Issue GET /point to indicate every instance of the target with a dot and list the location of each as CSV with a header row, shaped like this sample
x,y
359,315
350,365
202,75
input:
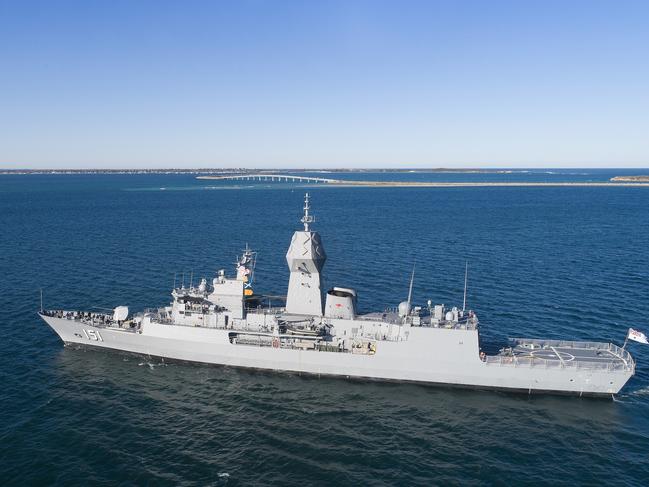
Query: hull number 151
x,y
93,335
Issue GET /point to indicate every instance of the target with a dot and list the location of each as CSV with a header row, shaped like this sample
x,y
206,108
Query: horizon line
x,y
305,169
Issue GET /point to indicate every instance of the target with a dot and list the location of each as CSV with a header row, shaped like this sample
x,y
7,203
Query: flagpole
x,y
626,339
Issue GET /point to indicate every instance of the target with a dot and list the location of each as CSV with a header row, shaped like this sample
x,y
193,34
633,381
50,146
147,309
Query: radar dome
x,y
404,308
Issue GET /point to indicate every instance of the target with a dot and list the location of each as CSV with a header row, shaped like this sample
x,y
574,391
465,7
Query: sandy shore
x,y
630,179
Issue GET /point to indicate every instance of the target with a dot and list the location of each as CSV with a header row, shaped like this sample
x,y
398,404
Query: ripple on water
x,y
548,262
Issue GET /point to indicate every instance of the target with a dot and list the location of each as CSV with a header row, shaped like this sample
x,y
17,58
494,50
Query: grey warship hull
x,y
585,368
321,333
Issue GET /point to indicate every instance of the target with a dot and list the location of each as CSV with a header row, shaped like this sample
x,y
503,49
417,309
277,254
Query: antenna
x,y
191,280
41,300
183,279
175,279
412,280
466,277
306,219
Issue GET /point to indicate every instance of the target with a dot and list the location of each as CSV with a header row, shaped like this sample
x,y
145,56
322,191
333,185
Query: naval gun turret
x,y
305,258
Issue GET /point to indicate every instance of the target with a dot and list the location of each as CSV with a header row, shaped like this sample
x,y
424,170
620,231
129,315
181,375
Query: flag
x,y
637,336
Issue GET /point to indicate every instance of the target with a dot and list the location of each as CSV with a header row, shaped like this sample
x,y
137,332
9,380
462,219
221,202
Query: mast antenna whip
x,y
306,219
466,276
412,280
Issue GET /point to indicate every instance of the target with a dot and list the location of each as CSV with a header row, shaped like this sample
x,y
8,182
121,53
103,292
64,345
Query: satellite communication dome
x,y
404,309
120,313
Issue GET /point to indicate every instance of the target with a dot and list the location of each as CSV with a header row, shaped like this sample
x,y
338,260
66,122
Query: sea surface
x,y
564,262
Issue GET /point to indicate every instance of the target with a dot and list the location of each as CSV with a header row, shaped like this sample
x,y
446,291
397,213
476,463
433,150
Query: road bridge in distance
x,y
274,177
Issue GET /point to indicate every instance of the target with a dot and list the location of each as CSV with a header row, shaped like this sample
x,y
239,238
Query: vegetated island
x,y
630,179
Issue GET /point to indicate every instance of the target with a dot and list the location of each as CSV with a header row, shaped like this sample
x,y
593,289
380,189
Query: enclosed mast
x,y
305,258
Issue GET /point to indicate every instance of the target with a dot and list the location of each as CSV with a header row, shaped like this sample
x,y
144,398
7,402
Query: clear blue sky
x,y
324,83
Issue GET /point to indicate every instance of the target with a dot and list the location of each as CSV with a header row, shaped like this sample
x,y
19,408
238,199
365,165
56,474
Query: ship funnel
x,y
341,303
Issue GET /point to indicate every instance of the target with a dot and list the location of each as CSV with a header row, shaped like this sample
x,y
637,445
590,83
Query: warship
x,y
322,333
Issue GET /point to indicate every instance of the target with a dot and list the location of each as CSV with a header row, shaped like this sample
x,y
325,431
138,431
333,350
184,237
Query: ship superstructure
x,y
323,333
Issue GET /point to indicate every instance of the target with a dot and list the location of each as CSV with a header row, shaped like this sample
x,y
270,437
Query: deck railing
x,y
625,362
296,344
268,311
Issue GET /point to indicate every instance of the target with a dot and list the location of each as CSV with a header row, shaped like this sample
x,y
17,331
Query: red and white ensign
x,y
637,336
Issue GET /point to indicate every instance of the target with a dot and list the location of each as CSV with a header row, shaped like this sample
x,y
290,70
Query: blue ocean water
x,y
566,262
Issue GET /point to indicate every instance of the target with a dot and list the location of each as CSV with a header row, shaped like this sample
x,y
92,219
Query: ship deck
x,y
556,353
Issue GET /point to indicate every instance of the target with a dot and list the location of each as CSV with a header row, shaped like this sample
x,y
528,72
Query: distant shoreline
x,y
243,171
232,171
441,184
319,174
225,171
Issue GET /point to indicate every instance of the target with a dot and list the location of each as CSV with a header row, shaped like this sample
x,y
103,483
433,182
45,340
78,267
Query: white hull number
x,y
93,335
